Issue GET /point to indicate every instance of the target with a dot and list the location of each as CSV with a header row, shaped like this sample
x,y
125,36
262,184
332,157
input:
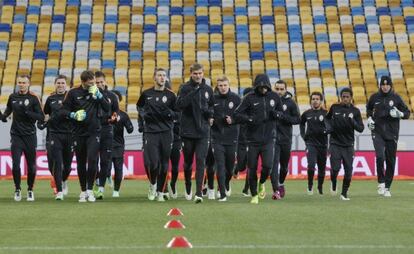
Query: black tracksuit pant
x,y
266,152
344,155
210,166
224,156
385,150
175,161
26,145
60,155
87,153
199,147
157,149
282,157
316,155
105,153
118,162
242,164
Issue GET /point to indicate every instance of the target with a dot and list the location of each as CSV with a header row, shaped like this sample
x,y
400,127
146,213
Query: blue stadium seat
x,y
202,3
108,64
216,47
240,11
19,19
322,37
40,54
163,19
360,29
9,2
174,10
202,28
377,47
95,54
406,3
125,2
371,20
55,45
58,19
269,47
267,20
189,11
111,19
311,56
392,56
176,55
150,10
51,72
336,46
110,37
319,20
383,11
4,27
86,9
253,3
135,55
279,3
202,20
396,11
326,65
292,11
150,28
33,10
369,2
122,46
215,3
256,55
272,73
3,45
351,55
330,3
162,46
216,29
357,11
73,2
228,20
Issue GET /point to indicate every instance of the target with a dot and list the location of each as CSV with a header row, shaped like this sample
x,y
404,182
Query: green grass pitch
x,y
132,224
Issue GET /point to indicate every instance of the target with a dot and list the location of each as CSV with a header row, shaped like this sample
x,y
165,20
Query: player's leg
x,y
252,162
219,157
17,146
188,153
335,166
166,139
311,154
175,160
390,155
380,148
92,151
347,157
321,161
267,152
230,157
201,149
274,175
80,145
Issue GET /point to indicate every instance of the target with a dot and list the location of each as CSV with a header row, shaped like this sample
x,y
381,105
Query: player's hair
x,y
281,81
99,74
24,76
118,93
159,69
87,75
196,67
317,94
61,76
346,90
223,78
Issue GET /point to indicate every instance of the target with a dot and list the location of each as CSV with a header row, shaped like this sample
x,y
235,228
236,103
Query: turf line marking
x,y
147,247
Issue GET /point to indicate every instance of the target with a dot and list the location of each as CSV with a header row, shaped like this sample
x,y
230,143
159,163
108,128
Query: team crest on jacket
x,y
206,95
164,99
60,101
391,103
272,102
284,107
231,105
321,118
351,115
157,99
26,102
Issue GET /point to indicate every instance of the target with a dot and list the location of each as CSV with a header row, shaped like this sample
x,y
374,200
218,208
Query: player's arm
x,y
36,112
241,113
127,123
402,107
302,125
357,121
185,97
370,106
8,110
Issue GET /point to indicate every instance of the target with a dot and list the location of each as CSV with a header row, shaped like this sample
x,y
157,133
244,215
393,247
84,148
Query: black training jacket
x,y
379,106
195,102
26,111
342,121
224,105
313,127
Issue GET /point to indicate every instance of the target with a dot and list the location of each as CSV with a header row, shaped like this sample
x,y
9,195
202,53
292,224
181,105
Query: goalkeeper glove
x,y
79,115
94,90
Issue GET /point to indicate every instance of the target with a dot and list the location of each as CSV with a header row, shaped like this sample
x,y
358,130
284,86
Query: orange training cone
x,y
174,224
175,212
179,242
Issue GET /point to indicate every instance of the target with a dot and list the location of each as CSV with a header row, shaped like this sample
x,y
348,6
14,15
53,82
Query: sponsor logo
x,y
255,104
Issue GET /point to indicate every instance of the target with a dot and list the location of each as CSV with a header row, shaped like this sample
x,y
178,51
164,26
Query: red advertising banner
x,y
364,164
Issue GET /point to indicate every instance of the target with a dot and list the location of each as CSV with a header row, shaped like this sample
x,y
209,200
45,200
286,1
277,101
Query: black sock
x,y
311,173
